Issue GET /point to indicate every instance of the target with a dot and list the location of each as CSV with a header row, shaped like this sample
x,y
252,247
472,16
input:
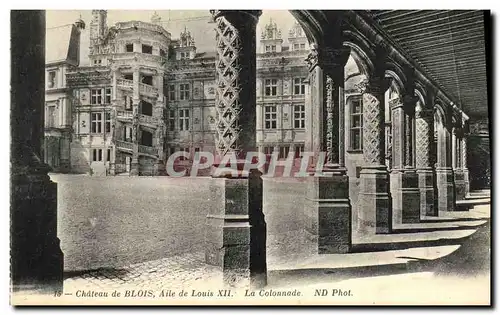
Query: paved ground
x,y
107,222
160,243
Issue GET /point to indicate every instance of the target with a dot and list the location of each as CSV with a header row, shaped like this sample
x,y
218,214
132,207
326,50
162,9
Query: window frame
x,y
107,122
54,79
300,120
299,86
358,129
51,123
97,155
171,120
184,94
171,92
271,87
270,117
184,119
97,123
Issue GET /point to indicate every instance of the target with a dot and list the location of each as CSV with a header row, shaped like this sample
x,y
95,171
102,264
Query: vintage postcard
x,y
250,157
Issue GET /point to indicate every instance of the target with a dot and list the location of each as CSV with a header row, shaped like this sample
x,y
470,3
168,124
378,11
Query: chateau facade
x,y
146,95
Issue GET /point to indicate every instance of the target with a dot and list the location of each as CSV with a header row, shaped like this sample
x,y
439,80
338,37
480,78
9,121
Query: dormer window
x,y
52,81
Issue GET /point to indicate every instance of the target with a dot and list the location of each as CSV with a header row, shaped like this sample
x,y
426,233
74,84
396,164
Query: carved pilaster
x,y
374,121
328,207
398,133
444,170
236,230
235,80
374,206
424,138
409,109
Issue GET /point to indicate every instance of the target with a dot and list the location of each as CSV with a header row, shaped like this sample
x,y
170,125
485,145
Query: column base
x,y
466,181
328,213
112,169
36,256
405,197
236,231
426,186
445,189
374,204
460,190
134,168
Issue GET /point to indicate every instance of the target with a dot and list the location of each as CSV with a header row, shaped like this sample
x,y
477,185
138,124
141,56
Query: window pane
x,y
356,121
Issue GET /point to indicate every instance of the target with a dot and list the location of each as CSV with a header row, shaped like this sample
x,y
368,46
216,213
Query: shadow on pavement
x,y
470,259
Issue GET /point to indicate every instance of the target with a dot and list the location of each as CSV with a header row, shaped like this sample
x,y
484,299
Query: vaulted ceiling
x,y
449,46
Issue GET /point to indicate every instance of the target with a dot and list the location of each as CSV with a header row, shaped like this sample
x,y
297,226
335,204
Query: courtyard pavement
x,y
144,234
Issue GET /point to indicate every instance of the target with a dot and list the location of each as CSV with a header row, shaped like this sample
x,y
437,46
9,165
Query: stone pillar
x,y
457,166
328,208
424,138
36,256
444,171
404,179
375,210
236,231
464,165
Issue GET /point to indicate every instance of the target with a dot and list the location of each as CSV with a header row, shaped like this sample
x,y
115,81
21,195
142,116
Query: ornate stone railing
x,y
148,119
148,150
128,58
123,114
148,89
83,75
124,83
124,145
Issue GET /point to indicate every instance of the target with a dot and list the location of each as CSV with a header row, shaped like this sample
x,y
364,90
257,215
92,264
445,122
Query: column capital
x,y
427,113
331,59
409,101
253,14
374,85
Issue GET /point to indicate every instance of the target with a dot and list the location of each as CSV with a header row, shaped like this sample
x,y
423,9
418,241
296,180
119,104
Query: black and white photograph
x,y
250,157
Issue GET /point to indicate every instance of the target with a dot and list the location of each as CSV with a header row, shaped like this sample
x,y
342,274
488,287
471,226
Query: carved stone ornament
x,y
372,140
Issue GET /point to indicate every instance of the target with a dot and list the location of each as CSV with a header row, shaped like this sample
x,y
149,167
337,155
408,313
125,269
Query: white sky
x,y
200,28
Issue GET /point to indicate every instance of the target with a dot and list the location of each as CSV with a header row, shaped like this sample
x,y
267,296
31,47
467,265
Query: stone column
x,y
398,143
404,179
236,231
464,165
457,166
424,139
328,208
36,256
444,171
375,212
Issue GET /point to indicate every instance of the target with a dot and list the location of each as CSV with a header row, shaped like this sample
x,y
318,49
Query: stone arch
x,y
311,22
440,114
361,51
396,73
